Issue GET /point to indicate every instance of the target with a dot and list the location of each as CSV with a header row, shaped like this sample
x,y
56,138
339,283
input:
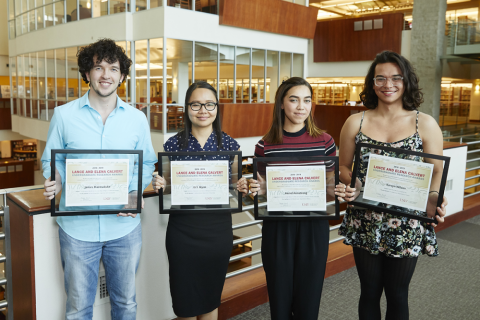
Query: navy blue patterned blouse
x,y
228,144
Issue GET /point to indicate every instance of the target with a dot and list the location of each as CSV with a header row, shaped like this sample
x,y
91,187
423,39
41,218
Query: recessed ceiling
x,y
329,9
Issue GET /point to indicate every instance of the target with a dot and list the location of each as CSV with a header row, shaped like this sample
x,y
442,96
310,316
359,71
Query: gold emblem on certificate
x,y
296,188
200,182
398,182
96,182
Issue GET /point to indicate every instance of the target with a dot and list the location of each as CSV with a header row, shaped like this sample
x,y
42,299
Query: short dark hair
x,y
412,96
217,127
103,49
275,133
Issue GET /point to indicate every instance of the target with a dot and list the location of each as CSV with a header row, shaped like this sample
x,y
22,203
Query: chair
x,y
198,5
175,117
185,4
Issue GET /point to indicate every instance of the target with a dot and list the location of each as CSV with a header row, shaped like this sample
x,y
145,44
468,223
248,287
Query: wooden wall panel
x,y
247,119
5,119
331,118
23,263
12,178
275,16
337,41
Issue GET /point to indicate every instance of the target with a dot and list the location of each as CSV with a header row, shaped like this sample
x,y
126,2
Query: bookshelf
x,y
24,151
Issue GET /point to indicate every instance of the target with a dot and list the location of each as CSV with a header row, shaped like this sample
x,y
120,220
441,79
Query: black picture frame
x,y
327,216
367,205
213,208
138,209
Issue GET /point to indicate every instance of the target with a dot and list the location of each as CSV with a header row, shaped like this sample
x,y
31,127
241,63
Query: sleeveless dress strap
x,y
415,120
361,121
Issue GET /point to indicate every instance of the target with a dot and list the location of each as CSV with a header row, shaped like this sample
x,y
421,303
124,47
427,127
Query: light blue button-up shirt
x,y
76,125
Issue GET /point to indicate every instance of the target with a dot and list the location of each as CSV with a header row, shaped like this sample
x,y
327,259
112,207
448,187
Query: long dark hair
x,y
217,127
275,134
412,96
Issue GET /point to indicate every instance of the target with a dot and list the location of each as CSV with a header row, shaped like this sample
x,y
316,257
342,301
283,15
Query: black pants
x,y
294,255
378,273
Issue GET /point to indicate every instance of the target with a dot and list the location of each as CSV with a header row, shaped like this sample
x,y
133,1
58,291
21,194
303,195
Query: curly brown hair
x,y
103,49
412,96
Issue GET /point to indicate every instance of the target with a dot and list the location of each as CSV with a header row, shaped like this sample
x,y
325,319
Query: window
x,y
34,84
285,66
141,70
179,78
206,63
258,75
156,84
59,13
227,56
118,6
242,81
72,73
272,75
51,92
61,77
297,65
100,8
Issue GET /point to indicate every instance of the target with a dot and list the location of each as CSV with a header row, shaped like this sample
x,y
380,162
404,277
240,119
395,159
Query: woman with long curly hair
x,y
385,246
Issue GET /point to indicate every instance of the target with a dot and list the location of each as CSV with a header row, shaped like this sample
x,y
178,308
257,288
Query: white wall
x,y
10,135
3,65
32,128
456,174
3,39
3,29
247,145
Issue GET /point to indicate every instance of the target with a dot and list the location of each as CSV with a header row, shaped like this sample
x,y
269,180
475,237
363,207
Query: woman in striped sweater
x,y
294,251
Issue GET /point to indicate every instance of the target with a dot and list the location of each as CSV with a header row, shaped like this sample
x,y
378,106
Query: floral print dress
x,y
378,232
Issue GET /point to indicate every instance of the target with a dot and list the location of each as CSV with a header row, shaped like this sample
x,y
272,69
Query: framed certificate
x,y
400,181
200,182
98,181
296,187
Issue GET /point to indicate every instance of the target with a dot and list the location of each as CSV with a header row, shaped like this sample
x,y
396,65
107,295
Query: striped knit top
x,y
298,144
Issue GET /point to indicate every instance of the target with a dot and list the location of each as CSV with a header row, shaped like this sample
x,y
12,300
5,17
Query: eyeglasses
x,y
381,81
209,106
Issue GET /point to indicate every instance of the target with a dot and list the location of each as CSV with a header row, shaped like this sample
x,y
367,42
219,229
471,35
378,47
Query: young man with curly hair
x,y
99,120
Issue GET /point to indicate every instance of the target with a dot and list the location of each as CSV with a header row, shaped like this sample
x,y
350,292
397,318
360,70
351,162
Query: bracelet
x,y
433,191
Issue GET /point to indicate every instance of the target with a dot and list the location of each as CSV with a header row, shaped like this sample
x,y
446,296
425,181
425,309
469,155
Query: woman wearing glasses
x,y
198,245
385,246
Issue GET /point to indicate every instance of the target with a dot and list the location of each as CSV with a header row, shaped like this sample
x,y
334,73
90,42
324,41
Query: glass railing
x,y
27,16
462,34
206,6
